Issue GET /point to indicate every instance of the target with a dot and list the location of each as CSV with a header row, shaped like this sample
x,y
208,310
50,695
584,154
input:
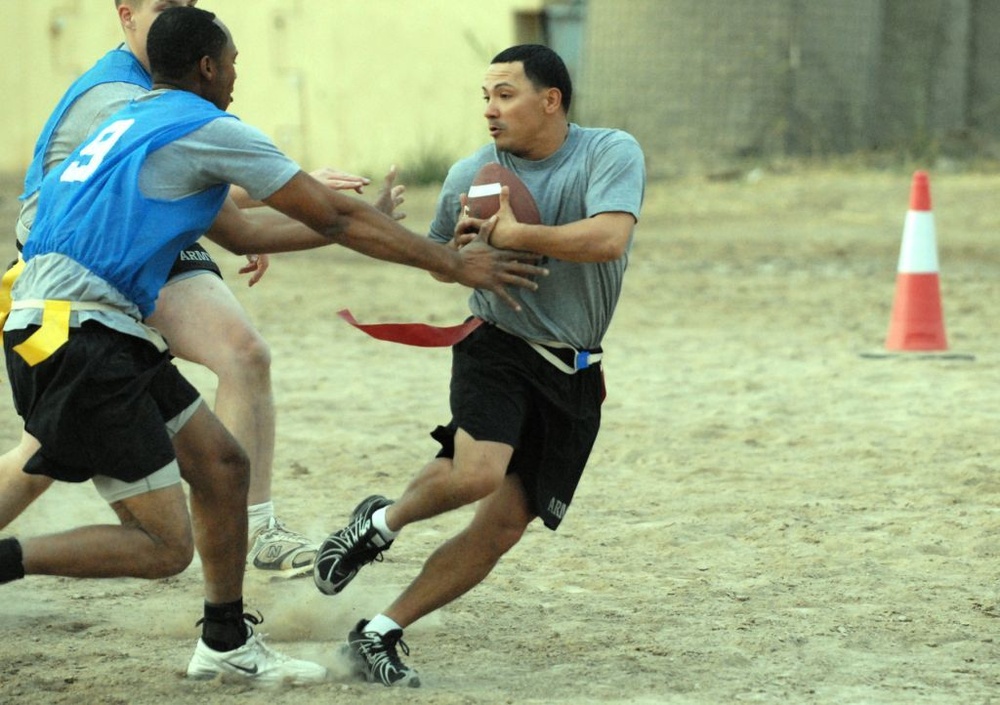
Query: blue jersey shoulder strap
x,y
117,66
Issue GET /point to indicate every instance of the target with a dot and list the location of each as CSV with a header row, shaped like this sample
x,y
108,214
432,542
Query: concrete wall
x,y
702,83
354,84
984,77
833,48
925,63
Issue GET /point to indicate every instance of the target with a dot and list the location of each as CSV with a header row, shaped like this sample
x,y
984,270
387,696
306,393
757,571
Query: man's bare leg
x,y
456,567
204,323
153,541
217,471
466,559
445,484
17,488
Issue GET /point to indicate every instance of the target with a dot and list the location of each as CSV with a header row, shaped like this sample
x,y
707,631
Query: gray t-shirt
x,y
595,171
221,152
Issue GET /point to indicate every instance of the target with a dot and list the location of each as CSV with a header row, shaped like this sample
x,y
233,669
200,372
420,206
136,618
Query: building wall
x,y
357,85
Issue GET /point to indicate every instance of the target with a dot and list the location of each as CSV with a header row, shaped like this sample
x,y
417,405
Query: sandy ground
x,y
768,515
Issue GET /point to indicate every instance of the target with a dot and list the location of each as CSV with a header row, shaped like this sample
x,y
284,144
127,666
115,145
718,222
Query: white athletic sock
x,y
378,521
258,516
381,624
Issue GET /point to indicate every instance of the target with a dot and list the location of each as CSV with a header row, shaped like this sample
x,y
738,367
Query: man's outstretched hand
x,y
390,196
485,267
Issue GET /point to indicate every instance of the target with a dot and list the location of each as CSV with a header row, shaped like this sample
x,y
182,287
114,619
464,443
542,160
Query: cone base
x,y
916,355
917,323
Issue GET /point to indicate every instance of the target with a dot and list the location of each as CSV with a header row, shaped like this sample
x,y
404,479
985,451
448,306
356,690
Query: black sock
x,y
11,560
223,628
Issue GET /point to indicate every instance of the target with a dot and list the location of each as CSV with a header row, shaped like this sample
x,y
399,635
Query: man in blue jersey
x,y
526,389
196,311
94,383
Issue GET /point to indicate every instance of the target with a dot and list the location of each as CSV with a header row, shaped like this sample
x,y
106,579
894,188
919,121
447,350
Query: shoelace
x,y
364,513
339,546
358,534
250,621
266,650
388,644
279,530
398,641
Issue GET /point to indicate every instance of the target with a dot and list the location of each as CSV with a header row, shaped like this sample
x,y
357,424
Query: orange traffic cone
x,y
917,323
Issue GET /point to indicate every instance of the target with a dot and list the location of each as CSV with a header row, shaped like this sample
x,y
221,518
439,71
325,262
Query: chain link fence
x,y
707,82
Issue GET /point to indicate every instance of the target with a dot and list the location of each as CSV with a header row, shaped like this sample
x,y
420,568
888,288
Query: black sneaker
x,y
370,505
375,659
344,552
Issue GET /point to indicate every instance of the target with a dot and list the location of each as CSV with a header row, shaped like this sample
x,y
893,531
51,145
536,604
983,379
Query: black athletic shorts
x,y
504,391
98,405
191,260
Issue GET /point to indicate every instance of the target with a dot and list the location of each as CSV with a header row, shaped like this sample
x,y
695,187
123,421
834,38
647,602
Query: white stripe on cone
x,y
918,253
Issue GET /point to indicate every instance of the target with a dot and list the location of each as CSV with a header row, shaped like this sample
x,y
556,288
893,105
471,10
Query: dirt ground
x,y
769,516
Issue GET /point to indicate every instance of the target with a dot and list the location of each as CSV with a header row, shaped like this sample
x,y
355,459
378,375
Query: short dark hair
x,y
180,37
542,66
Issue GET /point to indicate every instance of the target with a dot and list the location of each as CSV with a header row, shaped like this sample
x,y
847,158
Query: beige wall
x,y
356,84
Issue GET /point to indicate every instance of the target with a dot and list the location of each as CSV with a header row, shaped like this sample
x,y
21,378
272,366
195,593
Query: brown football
x,y
484,194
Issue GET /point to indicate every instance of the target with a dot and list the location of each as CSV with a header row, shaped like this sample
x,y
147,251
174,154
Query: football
x,y
484,194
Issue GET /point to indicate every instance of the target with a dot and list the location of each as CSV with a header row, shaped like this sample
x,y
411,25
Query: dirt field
x,y
768,516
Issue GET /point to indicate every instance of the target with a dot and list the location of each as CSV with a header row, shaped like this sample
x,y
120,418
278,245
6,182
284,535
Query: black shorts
x,y
504,391
99,405
192,260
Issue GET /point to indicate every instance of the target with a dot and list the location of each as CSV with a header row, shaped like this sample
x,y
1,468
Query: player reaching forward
x,y
95,384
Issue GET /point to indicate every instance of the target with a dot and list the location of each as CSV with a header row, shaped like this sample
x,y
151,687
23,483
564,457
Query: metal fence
x,y
708,81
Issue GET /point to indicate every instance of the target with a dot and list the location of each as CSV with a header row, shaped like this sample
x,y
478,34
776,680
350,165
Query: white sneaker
x,y
275,548
254,661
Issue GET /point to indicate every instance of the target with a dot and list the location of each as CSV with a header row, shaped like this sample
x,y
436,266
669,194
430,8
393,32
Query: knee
x,y
474,484
492,541
249,354
170,554
174,558
235,472
222,478
506,537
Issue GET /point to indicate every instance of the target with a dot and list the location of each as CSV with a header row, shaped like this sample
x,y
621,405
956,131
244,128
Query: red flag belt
x,y
418,334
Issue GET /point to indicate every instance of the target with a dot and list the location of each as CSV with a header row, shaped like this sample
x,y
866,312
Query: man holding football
x,y
527,386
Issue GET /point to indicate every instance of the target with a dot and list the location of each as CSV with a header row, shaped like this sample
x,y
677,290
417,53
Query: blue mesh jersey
x,y
92,210
117,66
